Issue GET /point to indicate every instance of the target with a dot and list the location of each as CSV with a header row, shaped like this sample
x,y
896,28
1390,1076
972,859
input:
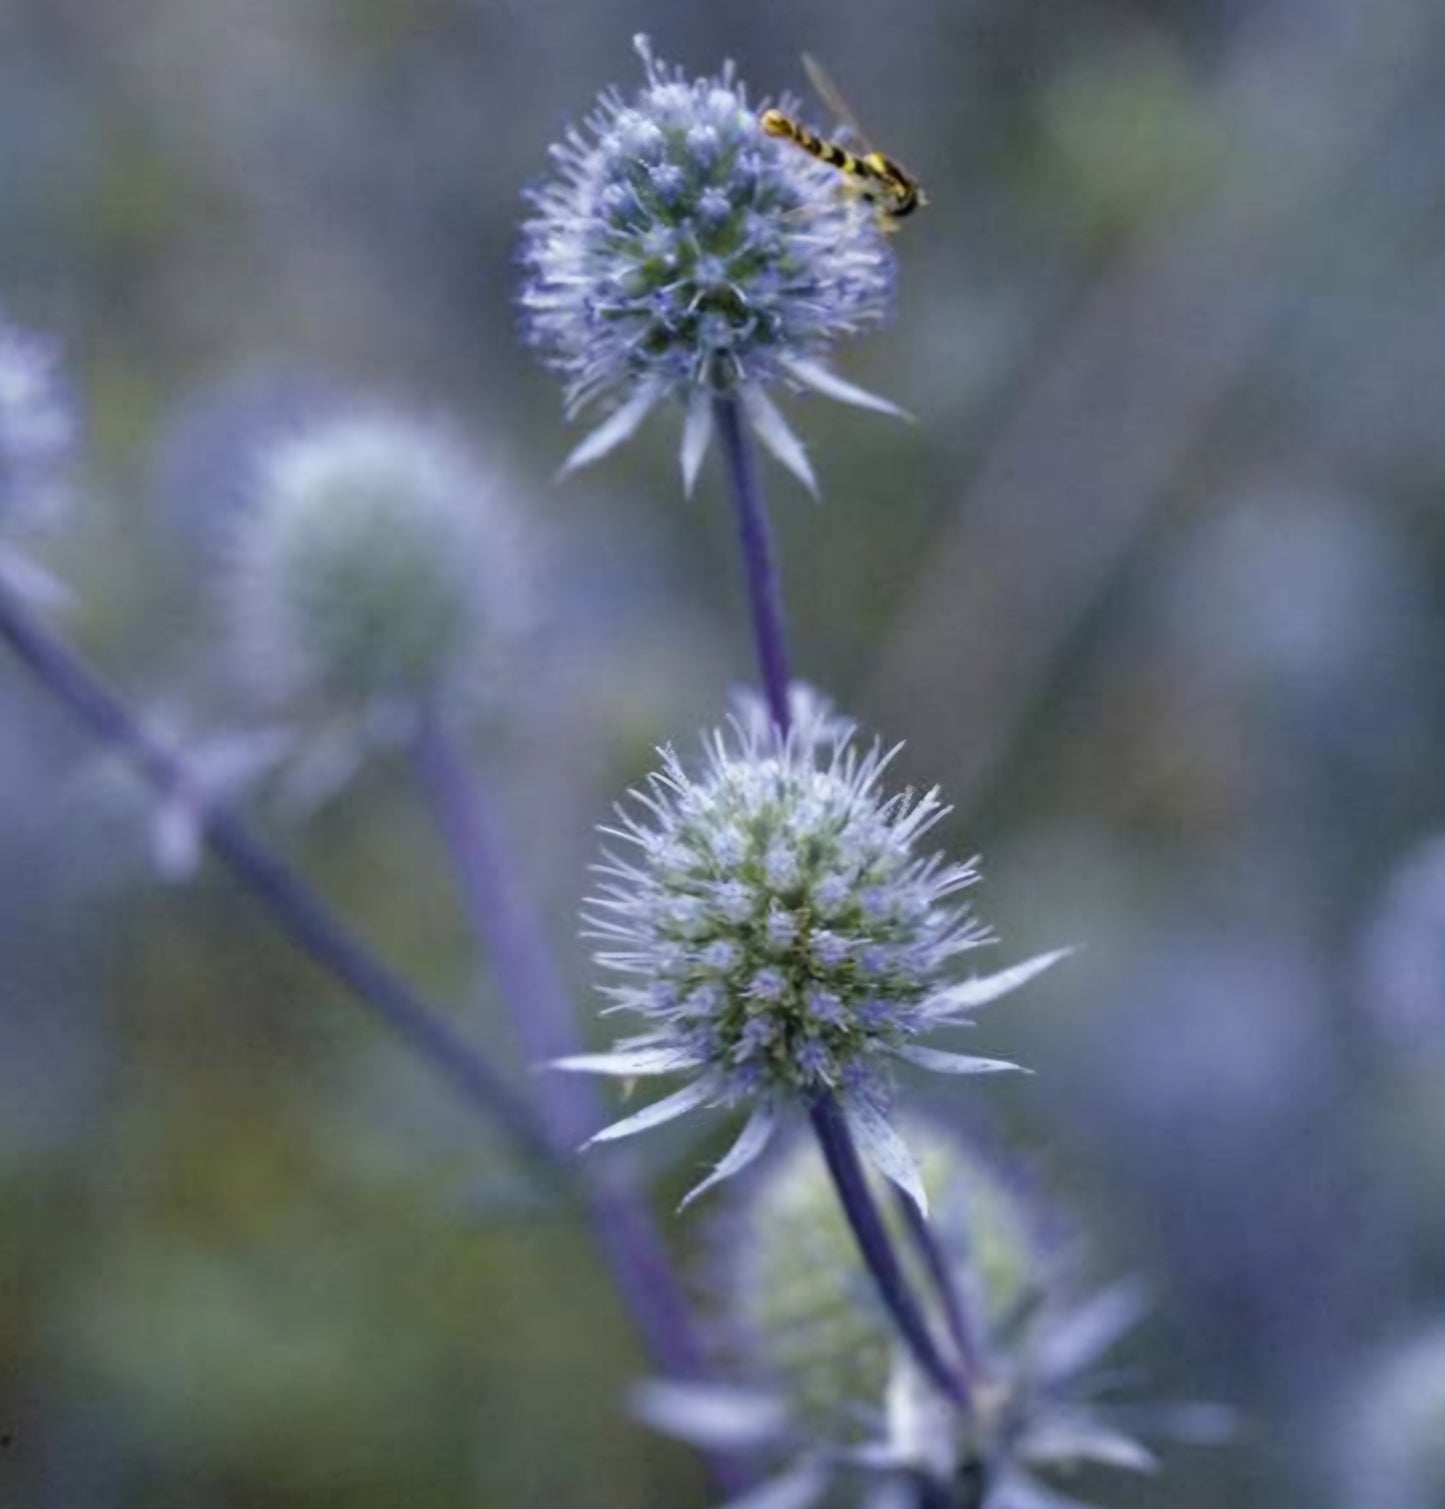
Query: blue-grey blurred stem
x,y
293,905
765,600
876,1246
940,1272
540,1010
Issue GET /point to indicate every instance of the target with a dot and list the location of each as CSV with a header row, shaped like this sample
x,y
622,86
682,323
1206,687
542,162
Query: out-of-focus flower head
x,y
682,253
374,570
782,937
796,1308
828,1389
1391,1437
38,433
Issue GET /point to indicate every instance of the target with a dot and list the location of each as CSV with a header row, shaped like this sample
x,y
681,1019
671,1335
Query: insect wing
x,y
828,91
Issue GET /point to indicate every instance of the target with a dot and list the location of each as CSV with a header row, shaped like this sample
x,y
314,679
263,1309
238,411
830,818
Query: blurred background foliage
x,y
1154,588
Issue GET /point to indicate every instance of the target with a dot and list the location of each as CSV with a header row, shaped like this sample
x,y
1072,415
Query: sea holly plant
x,y
779,935
770,918
373,576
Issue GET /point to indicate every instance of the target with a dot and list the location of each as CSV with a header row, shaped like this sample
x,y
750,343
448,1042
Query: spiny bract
x,y
783,938
683,253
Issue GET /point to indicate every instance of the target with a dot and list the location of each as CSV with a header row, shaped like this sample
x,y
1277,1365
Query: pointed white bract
x,y
1087,1332
699,1093
712,1415
696,436
818,377
778,437
631,1063
1078,1437
967,995
622,424
881,1145
956,1063
772,921
682,252
753,1139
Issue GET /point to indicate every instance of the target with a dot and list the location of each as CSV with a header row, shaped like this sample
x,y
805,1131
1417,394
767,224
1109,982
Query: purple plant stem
x,y
876,1246
293,905
760,567
874,1241
940,1271
540,1010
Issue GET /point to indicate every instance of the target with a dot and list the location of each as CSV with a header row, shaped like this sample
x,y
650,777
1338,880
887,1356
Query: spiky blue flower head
x,y
782,937
681,253
373,566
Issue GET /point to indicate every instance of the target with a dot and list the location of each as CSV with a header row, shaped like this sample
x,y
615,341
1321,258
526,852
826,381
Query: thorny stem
x,y
765,599
293,905
876,1247
537,1004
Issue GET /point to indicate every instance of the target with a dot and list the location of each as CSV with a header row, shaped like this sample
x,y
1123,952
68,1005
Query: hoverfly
x,y
884,183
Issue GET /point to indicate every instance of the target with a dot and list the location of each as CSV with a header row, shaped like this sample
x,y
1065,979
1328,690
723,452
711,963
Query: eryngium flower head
x,y
682,253
827,1388
784,1276
783,938
371,567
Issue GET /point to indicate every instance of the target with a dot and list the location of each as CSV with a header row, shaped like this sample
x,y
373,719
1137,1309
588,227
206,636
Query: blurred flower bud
x,y
828,1390
796,1306
373,571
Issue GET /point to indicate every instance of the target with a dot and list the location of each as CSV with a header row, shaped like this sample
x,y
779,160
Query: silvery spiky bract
x,y
38,429
371,566
781,936
682,253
